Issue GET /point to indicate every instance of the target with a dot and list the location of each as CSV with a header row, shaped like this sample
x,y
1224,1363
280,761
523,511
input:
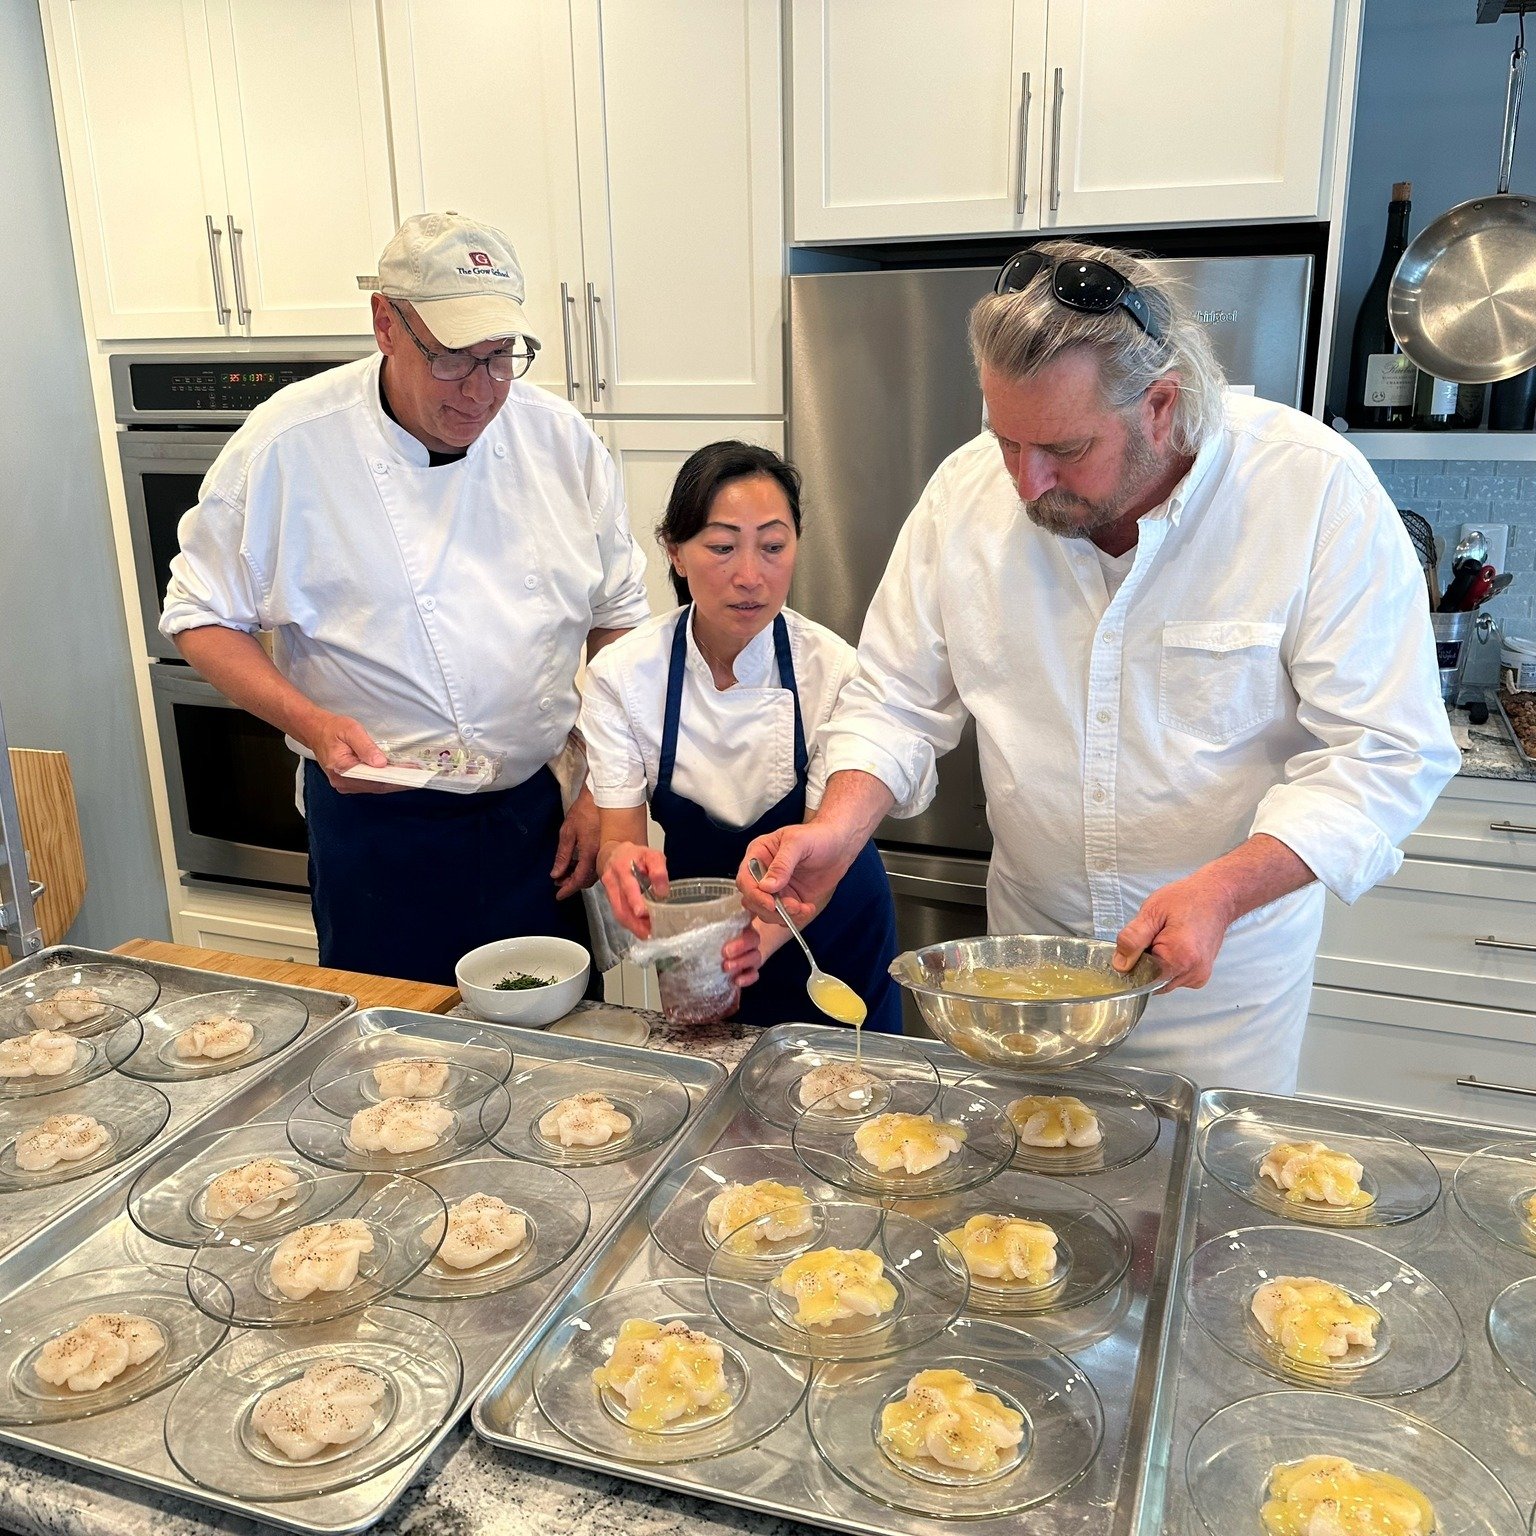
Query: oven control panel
x,y
193,388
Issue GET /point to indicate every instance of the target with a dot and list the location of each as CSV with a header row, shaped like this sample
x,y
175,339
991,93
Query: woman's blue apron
x,y
854,936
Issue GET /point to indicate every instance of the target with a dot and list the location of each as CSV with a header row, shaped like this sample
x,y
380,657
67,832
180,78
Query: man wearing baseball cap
x,y
430,544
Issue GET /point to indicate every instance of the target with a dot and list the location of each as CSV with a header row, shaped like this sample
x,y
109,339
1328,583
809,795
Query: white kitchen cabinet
x,y
448,66
271,925
1203,111
300,91
649,455
910,118
229,162
144,163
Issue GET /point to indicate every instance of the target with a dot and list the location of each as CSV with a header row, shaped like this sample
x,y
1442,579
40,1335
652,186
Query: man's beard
x,y
1075,517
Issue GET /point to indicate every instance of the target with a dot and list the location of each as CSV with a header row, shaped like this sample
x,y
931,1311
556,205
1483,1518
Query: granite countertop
x,y
1488,751
468,1488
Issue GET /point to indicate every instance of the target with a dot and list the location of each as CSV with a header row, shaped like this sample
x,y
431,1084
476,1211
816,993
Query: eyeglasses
x,y
504,365
1090,286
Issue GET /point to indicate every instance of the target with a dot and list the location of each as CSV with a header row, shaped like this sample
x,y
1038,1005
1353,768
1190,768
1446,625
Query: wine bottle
x,y
1443,405
1381,379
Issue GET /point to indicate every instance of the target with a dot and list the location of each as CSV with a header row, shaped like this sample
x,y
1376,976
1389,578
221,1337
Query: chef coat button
x,y
469,733
1109,636
1104,717
428,604
501,450
1099,796
546,703
380,467
530,582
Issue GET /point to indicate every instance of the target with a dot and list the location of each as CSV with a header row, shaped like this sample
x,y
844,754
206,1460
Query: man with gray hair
x,y
1192,633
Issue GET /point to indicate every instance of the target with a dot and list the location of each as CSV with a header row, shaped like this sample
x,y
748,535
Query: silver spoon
x,y
835,998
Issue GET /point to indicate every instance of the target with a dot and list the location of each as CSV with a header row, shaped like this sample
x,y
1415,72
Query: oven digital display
x,y
193,389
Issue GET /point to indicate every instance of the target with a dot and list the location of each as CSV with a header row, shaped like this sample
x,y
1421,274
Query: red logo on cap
x,y
480,259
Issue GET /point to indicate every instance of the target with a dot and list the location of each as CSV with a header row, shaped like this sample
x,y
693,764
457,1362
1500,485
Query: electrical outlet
x,y
1497,535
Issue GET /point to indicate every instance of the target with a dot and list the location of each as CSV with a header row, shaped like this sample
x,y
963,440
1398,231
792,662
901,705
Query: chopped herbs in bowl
x,y
522,981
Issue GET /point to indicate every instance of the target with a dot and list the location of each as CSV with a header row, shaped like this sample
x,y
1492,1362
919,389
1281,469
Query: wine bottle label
x,y
1389,379
1442,397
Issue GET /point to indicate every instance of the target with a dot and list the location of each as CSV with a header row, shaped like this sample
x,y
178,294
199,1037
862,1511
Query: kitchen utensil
x,y
1463,573
834,998
1474,547
1462,303
1041,1034
1501,582
1423,536
1481,589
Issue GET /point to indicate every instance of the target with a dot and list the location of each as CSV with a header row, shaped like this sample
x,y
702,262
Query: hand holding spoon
x,y
835,998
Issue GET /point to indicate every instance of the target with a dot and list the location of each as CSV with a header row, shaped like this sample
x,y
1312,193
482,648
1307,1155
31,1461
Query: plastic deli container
x,y
688,931
1517,664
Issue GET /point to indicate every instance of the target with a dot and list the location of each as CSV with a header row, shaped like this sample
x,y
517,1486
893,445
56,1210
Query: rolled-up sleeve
x,y
615,765
212,580
901,711
1363,666
620,601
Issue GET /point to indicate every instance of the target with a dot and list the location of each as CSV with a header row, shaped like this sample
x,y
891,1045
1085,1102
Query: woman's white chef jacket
x,y
1266,666
736,746
424,602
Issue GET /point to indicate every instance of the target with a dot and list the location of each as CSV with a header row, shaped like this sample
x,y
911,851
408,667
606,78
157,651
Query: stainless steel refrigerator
x,y
881,390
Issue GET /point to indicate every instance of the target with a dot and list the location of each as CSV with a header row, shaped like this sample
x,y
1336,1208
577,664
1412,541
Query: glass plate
x,y
655,1101
1063,1423
119,982
42,1310
1419,1338
208,1429
765,1388
826,1144
676,1209
1128,1124
1512,1331
229,1276
344,1081
133,1114
168,1199
1093,1249
924,1267
1494,1187
277,1019
1235,1450
324,1136
102,1044
553,1204
1402,1179
769,1078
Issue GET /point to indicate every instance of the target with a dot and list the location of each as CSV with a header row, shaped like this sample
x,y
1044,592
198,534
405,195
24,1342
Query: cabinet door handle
x,y
220,303
1492,943
1511,826
1024,101
1061,91
567,304
599,383
1471,1082
237,262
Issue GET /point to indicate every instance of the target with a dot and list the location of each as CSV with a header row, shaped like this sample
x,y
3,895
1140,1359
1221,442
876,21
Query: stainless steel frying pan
x,y
1463,299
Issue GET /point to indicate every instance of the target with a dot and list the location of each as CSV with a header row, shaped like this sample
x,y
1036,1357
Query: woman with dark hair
x,y
710,714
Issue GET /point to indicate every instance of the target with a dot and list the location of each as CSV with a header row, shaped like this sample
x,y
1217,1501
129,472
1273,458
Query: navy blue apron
x,y
854,936
404,884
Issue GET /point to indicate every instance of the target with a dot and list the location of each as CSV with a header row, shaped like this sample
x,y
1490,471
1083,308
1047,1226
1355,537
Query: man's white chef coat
x,y
423,601
735,746
1266,666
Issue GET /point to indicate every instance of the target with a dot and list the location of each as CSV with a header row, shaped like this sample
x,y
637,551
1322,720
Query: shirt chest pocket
x,y
1218,680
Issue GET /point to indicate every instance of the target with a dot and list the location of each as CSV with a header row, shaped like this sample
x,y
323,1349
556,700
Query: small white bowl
x,y
480,970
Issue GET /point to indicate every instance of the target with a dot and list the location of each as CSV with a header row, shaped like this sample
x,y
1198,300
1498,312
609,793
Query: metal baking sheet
x,y
1478,1404
1514,735
1117,1341
129,1443
23,1212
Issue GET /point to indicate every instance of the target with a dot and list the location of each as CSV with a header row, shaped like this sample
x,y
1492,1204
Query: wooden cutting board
x,y
50,830
370,991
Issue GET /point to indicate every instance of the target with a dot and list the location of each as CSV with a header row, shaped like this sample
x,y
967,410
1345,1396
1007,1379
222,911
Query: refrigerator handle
x,y
1056,143
964,892
1024,100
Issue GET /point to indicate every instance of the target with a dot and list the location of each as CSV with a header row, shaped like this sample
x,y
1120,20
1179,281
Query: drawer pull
x,y
1492,943
1472,1082
1511,826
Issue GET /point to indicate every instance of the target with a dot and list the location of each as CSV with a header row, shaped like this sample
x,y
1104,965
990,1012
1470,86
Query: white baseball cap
x,y
461,276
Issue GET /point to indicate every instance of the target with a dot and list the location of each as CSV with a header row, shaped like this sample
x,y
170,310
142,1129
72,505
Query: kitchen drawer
x,y
1352,1051
1458,932
286,935
1480,821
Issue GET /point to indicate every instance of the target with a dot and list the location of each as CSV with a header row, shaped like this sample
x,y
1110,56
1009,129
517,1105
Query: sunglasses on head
x,y
1093,287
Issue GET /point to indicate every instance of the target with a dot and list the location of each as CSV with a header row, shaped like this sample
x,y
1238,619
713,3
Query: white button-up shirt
x,y
423,601
1266,666
735,746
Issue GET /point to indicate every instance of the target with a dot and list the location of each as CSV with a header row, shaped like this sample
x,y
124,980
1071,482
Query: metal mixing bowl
x,y
1063,1032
